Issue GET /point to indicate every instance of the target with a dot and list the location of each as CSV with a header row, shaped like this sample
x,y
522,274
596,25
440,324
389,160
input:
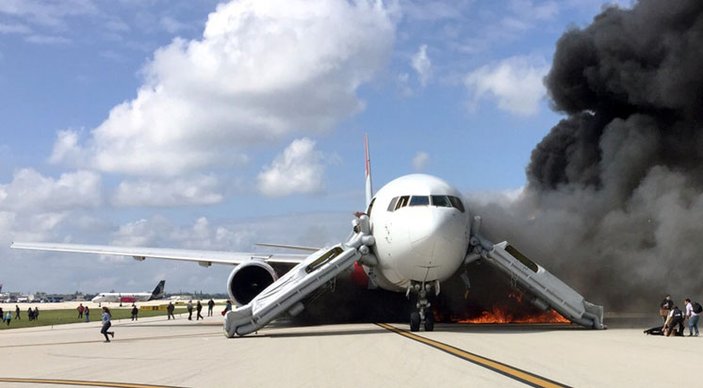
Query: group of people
x,y
198,309
107,316
33,314
83,311
674,317
6,316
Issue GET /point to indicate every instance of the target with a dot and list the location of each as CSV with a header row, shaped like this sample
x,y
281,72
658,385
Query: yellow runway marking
x,y
80,383
504,369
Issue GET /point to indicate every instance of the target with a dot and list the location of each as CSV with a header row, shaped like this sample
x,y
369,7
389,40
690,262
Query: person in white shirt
x,y
692,318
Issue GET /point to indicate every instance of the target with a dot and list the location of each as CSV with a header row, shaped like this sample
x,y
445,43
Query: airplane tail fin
x,y
158,292
369,189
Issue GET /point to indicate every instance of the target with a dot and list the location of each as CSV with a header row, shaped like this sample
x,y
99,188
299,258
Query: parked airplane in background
x,y
179,298
130,297
416,232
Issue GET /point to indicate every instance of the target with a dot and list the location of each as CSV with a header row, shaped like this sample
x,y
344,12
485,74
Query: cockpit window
x,y
391,206
402,202
423,200
441,201
456,202
419,200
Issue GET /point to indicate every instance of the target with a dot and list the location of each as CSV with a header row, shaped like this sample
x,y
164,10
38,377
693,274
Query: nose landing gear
x,y
424,314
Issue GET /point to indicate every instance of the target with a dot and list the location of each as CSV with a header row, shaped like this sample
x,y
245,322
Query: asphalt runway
x,y
181,353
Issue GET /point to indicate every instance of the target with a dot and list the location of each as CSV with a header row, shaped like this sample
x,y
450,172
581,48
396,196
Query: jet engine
x,y
248,279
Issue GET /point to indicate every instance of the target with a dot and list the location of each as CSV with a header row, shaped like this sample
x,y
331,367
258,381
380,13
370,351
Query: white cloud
x,y
66,149
34,207
515,82
161,232
204,235
422,65
30,190
139,233
298,169
262,70
198,190
420,160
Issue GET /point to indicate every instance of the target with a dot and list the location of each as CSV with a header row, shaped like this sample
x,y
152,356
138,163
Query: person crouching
x,y
674,319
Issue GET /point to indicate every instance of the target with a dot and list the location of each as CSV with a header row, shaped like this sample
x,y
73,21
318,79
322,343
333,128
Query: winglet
x,y
369,189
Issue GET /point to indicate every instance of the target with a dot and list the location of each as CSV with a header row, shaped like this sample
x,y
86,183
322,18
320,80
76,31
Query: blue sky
x,y
197,125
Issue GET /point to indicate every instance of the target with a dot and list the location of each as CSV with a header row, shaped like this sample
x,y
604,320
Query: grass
x,y
62,317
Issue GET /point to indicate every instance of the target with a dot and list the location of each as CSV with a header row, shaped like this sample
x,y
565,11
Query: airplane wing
x,y
204,258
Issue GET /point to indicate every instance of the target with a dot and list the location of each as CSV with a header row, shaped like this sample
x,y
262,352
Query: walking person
x,y
189,306
107,324
8,317
2,315
198,309
86,314
80,309
210,307
692,316
170,309
36,313
17,312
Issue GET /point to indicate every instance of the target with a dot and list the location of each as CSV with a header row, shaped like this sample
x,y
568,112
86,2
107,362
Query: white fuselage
x,y
117,297
422,231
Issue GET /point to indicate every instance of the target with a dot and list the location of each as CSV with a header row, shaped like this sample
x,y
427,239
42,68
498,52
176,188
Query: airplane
x,y
415,233
130,297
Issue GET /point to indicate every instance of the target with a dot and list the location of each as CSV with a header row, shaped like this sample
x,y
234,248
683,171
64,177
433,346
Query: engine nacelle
x,y
248,279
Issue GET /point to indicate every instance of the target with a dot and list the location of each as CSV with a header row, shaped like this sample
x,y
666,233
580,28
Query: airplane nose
x,y
438,244
437,228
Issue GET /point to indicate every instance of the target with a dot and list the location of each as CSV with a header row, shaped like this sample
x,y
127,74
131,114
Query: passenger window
x,y
456,202
391,206
402,202
419,201
441,200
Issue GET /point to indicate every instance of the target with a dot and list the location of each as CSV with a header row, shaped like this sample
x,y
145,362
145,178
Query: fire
x,y
501,315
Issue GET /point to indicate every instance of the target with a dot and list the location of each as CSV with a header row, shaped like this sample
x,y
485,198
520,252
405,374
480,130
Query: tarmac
x,y
156,352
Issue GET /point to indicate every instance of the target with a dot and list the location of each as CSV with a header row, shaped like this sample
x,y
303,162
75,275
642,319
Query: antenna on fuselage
x,y
369,189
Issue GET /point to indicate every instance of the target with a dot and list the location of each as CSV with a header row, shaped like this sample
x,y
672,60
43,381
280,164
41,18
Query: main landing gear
x,y
424,314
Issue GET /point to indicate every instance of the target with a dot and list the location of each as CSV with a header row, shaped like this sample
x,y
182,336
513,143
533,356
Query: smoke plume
x,y
614,201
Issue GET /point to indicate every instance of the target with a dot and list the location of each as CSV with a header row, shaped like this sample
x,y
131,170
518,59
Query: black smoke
x,y
614,201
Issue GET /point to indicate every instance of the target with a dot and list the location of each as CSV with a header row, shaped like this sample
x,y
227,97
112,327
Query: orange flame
x,y
499,315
